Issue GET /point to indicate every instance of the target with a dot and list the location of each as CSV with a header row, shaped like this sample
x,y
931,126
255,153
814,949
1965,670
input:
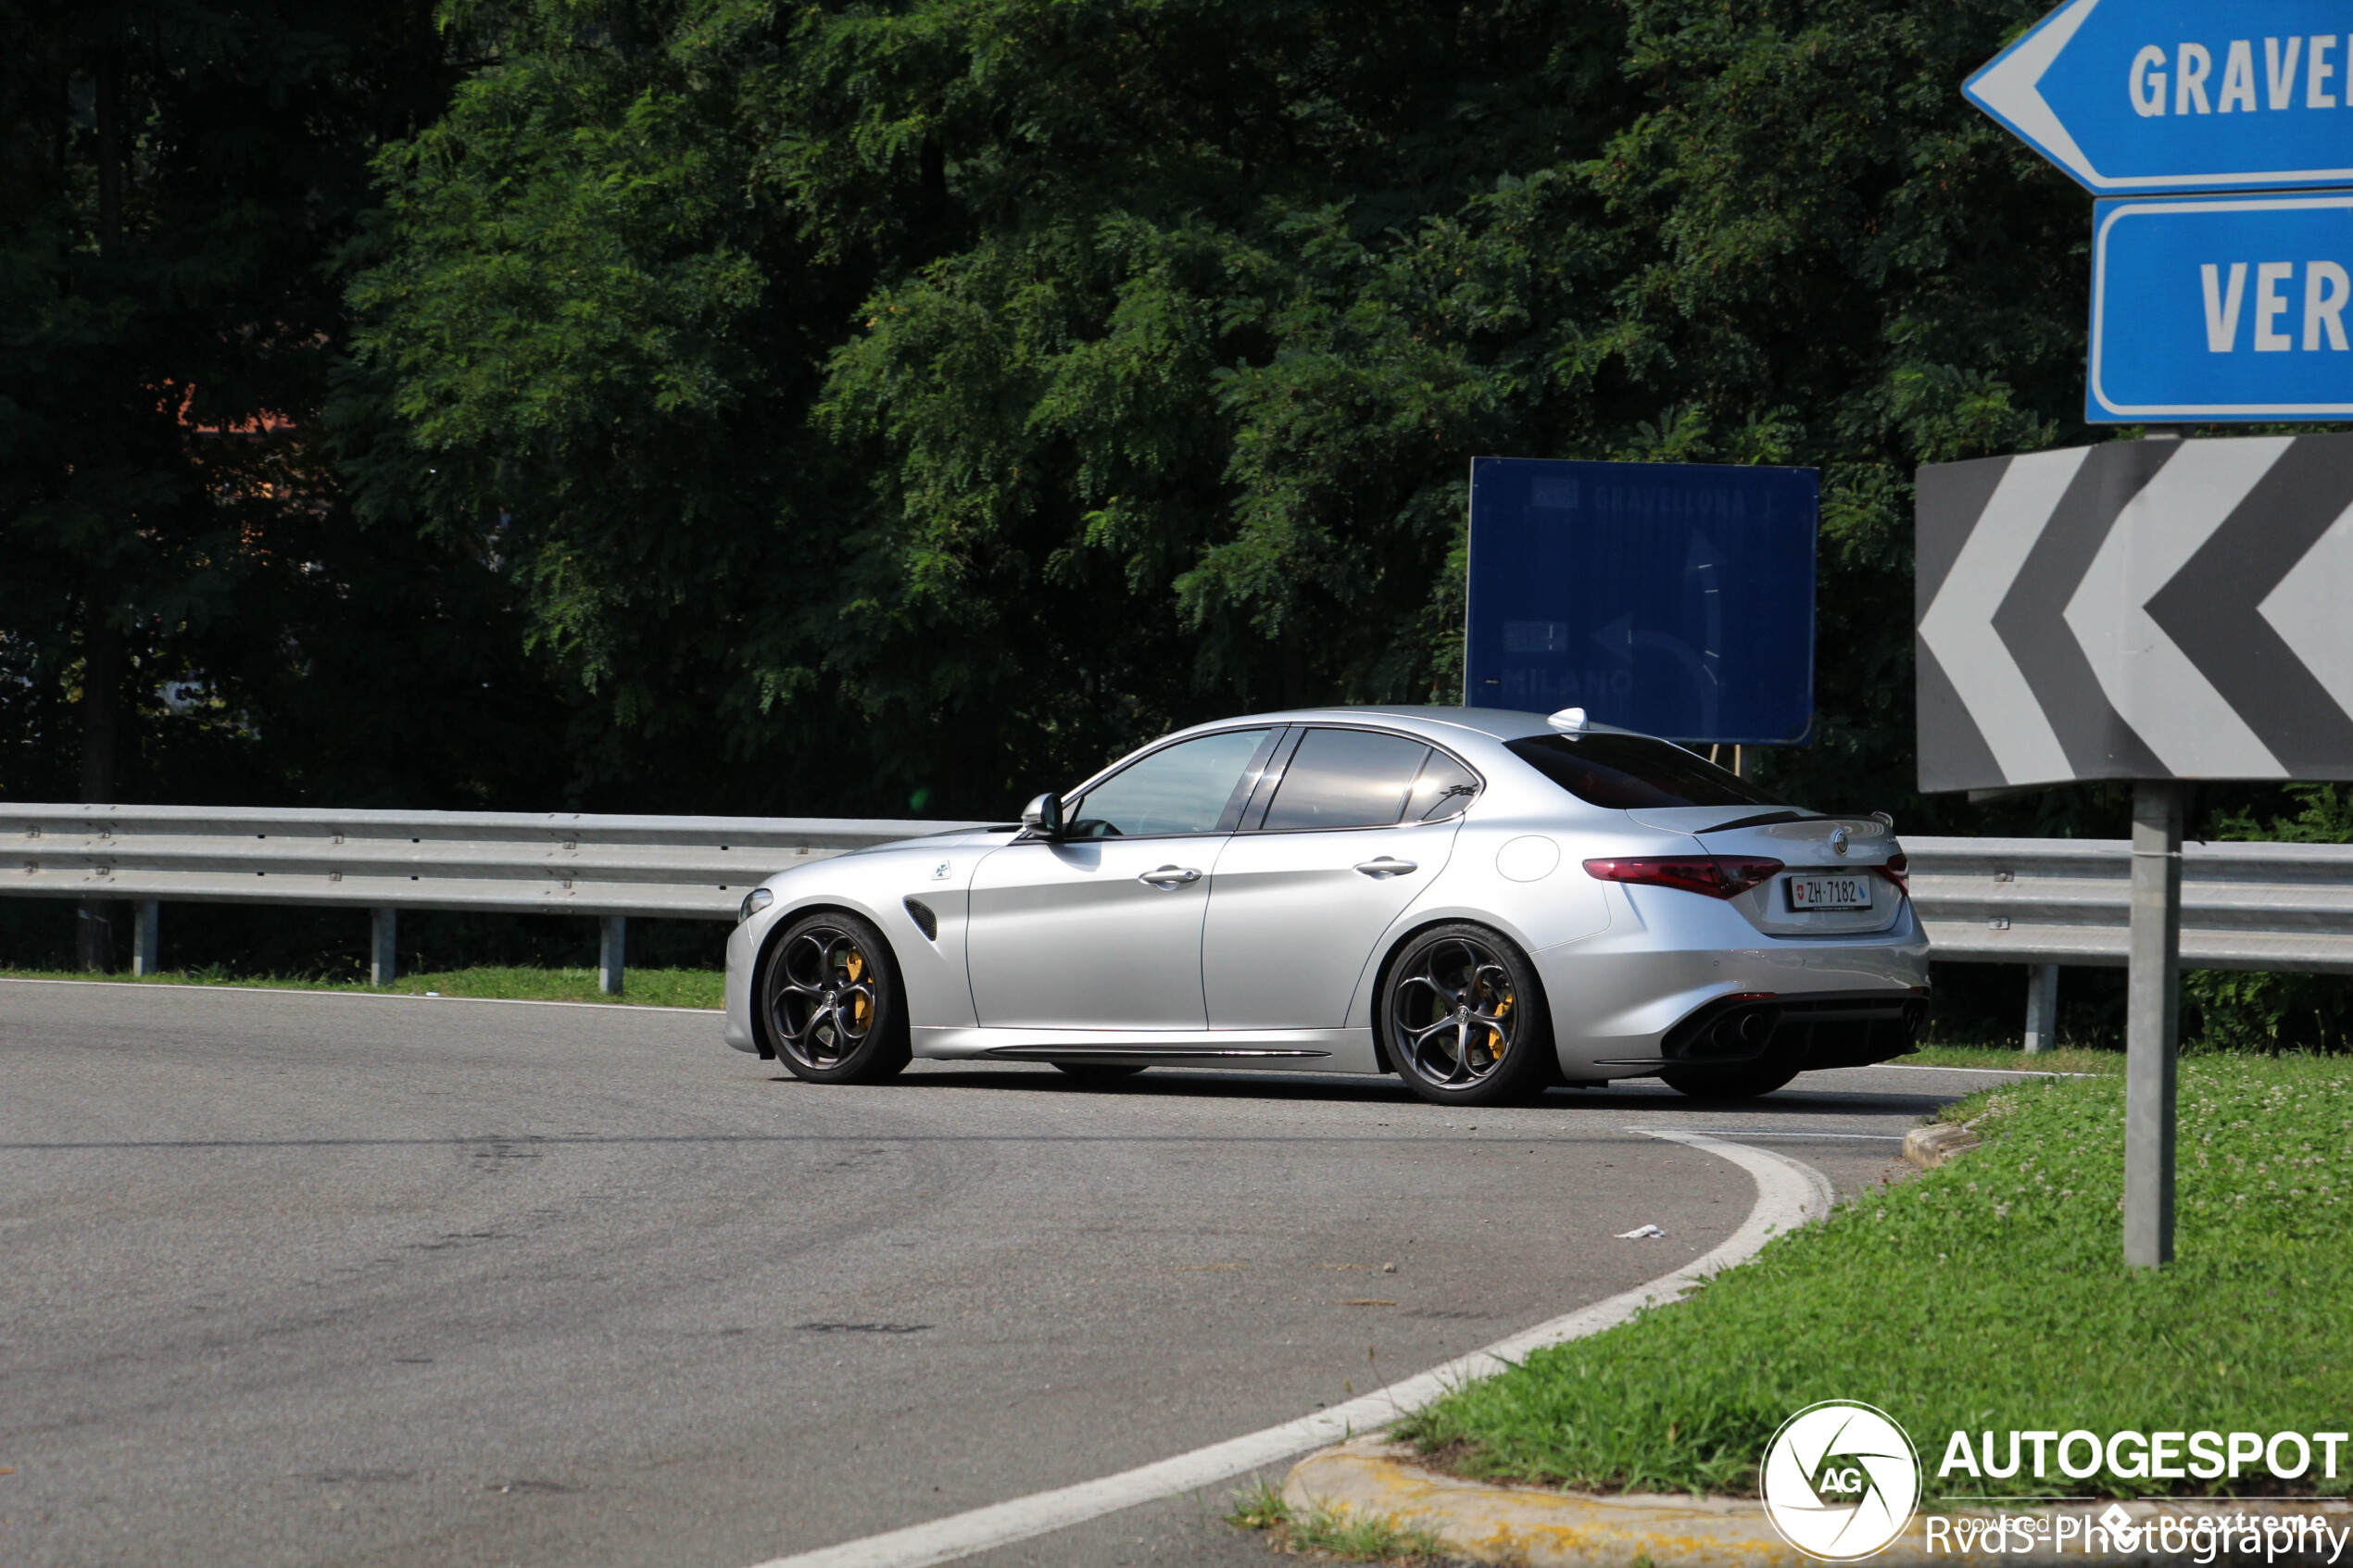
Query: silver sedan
x,y
1484,903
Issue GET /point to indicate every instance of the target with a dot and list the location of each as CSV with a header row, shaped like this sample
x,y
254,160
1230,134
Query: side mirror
x,y
1043,816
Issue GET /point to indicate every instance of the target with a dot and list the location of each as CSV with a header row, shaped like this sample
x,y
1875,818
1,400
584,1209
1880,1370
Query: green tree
x,y
176,178
935,423
914,403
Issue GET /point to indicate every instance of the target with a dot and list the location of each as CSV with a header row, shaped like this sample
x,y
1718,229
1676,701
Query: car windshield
x,y
1632,772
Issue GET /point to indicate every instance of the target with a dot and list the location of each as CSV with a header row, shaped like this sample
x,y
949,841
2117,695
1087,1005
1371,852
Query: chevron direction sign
x,y
2143,609
2148,96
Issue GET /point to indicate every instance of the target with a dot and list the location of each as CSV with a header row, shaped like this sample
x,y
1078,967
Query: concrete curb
x,y
1931,1145
1532,1528
1527,1527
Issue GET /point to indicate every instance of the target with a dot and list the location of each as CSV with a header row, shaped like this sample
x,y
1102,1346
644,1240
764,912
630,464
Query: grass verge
x,y
648,987
2069,1059
1988,1294
1335,1532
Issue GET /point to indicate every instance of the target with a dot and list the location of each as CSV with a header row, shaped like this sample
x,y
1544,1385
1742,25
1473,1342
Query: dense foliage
x,y
920,401
187,611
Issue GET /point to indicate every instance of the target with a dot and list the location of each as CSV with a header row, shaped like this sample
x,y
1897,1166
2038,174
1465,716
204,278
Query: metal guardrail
x,y
612,867
2066,901
2035,901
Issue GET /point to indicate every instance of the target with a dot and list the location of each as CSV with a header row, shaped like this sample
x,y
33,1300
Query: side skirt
x,y
1294,1050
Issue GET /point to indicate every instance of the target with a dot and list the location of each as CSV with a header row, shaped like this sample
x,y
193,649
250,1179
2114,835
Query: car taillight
x,y
1718,876
1898,870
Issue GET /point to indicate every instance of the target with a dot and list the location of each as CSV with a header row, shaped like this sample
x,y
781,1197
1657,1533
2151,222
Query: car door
x,y
1101,928
1356,825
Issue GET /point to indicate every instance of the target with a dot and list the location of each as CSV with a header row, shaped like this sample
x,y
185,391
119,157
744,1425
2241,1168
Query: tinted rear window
x,y
1627,773
1346,779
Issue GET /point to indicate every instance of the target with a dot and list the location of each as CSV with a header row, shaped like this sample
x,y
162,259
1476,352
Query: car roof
x,y
1437,723
1478,734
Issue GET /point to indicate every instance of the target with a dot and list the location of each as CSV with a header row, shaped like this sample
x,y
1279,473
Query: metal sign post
x,y
2153,992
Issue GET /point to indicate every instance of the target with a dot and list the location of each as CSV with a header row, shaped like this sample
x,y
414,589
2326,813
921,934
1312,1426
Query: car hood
x,y
981,836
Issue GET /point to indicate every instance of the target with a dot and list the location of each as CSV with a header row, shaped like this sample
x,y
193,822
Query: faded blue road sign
x,y
2222,309
1676,598
2152,95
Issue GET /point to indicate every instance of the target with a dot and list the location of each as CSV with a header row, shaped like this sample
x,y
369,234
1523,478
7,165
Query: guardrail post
x,y
2042,1008
2152,1020
146,938
609,952
384,951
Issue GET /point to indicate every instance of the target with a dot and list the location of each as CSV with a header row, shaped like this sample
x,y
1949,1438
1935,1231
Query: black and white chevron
x,y
2142,609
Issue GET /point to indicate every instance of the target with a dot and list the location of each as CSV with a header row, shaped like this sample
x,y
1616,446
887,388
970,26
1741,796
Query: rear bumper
x,y
1630,1002
1815,1030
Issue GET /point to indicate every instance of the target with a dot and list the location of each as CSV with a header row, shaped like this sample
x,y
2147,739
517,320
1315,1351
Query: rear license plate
x,y
1830,892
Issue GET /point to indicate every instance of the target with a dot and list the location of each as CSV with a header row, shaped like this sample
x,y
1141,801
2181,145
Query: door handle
x,y
1169,876
1385,866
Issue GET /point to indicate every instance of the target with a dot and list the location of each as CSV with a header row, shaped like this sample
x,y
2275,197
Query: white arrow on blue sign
x,y
2223,308
2154,95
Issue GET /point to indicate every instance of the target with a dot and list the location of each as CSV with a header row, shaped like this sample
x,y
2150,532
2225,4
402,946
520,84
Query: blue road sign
x,y
2222,309
2156,96
1676,598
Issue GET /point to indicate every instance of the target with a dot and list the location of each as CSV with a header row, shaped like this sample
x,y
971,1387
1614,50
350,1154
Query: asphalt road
x,y
295,1278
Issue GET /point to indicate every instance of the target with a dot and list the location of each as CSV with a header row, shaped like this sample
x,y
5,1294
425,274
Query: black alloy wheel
x,y
1465,1021
830,999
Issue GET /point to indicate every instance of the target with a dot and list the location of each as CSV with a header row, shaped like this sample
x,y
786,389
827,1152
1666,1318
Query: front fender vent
x,y
926,921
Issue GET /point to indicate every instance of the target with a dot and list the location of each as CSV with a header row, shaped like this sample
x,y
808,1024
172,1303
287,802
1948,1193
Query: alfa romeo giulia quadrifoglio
x,y
1484,903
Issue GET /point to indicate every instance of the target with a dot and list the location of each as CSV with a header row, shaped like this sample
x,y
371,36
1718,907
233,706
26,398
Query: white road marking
x,y
2004,1071
1775,1133
1788,1195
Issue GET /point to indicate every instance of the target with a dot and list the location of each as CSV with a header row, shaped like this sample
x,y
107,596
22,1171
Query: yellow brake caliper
x,y
1495,1030
859,1006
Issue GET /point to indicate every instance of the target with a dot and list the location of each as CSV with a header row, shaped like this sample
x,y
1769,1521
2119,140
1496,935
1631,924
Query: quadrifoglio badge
x,y
1842,1481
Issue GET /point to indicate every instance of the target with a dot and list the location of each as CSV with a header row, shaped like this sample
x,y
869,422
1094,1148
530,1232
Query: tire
x,y
1464,1019
1745,1080
1102,1072
831,1001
